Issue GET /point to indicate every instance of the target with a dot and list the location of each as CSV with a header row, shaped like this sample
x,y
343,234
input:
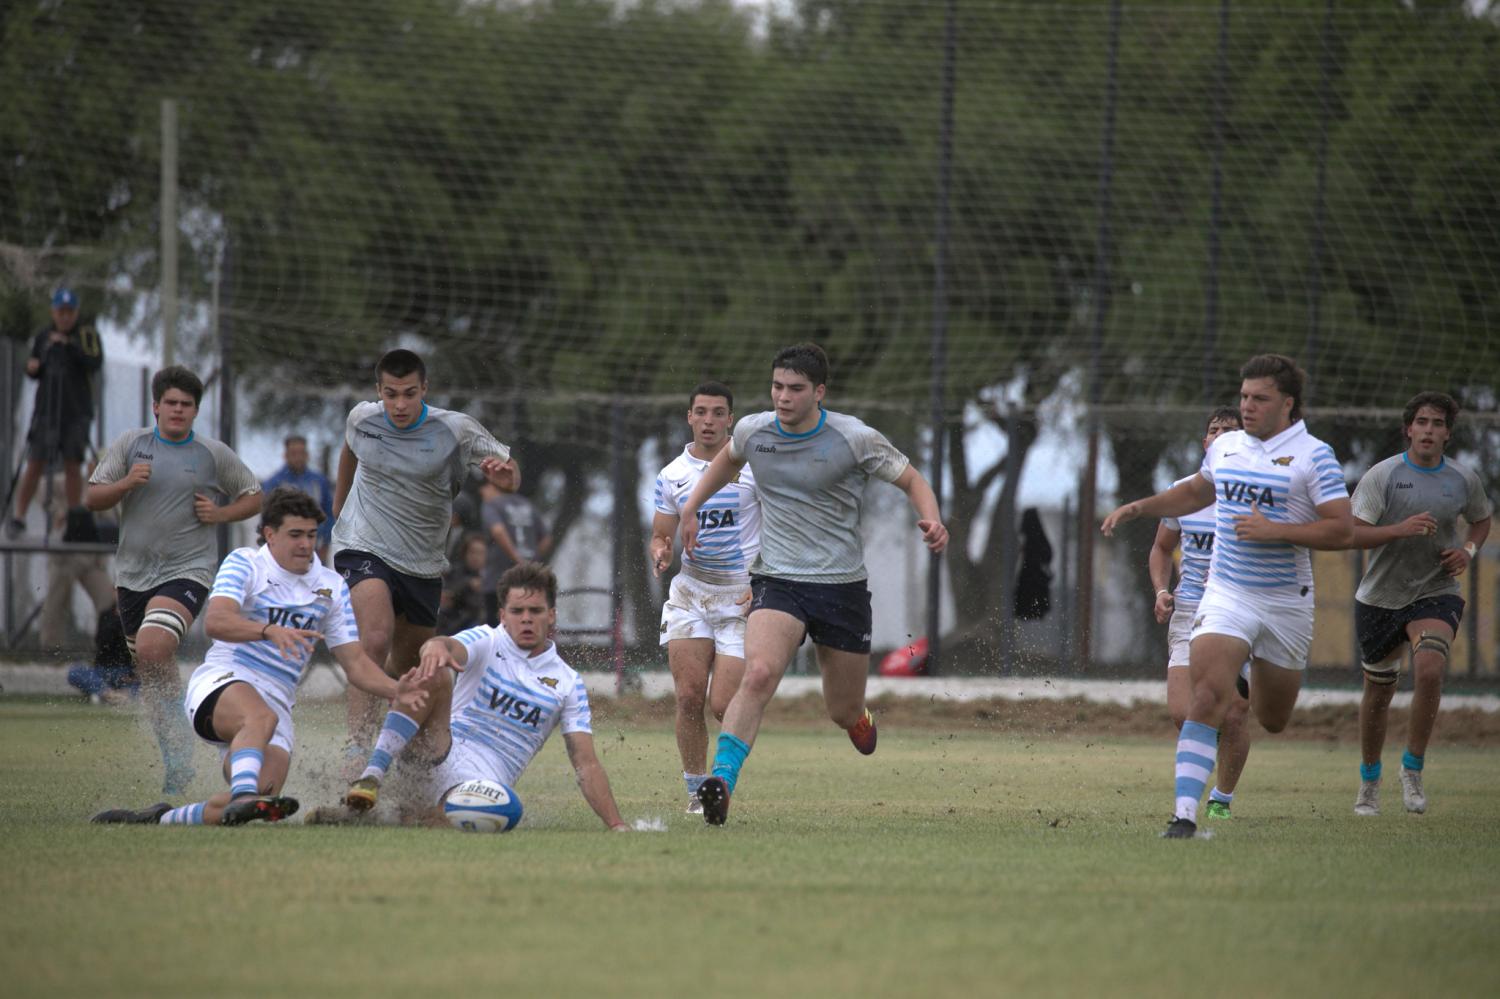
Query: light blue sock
x,y
1412,762
1196,747
395,733
693,782
244,772
187,815
729,757
1369,771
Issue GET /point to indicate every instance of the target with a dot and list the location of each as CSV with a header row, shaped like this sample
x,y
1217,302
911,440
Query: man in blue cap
x,y
64,357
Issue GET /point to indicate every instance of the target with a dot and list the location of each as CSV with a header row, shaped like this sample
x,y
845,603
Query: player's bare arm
x,y
223,622
1159,566
592,780
1184,498
1367,535
103,495
1333,530
719,473
347,464
408,693
663,531
922,499
1457,560
209,512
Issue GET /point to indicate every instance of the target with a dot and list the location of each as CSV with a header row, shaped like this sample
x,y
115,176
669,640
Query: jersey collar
x,y
822,418
156,432
1418,468
1284,438
541,660
263,552
404,430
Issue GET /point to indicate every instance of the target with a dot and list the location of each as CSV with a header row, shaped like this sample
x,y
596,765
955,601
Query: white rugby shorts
x,y
695,609
466,761
1179,633
206,679
1281,634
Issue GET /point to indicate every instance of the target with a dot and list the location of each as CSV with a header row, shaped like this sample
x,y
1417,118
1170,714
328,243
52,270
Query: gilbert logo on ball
x,y
482,806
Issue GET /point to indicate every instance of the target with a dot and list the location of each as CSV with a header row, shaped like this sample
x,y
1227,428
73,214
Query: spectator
x,y
462,604
1034,581
64,357
515,530
67,568
299,475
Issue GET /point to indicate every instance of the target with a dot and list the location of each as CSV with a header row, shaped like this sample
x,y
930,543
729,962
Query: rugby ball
x,y
482,806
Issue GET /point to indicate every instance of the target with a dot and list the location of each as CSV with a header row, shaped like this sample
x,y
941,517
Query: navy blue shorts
x,y
836,615
1382,631
412,597
132,603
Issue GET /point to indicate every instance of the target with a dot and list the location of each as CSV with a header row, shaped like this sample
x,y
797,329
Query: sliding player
x,y
1407,509
512,690
268,608
165,479
703,619
402,464
811,467
1194,532
1280,492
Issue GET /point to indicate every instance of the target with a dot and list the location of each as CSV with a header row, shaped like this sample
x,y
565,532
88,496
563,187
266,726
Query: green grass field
x,y
953,862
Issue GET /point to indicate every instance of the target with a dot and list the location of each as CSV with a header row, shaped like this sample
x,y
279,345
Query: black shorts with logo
x,y
412,597
132,603
837,615
1381,631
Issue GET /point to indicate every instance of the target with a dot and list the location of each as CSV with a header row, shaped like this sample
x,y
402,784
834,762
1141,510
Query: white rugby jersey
x,y
317,600
507,703
1197,546
1286,477
728,524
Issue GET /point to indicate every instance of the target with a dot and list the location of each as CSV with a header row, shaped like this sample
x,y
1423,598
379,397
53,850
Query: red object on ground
x,y
909,660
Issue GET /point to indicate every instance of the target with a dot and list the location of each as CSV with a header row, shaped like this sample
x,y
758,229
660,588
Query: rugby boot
x,y
249,807
1180,829
694,806
1368,800
362,794
1216,810
1411,791
144,817
862,733
713,795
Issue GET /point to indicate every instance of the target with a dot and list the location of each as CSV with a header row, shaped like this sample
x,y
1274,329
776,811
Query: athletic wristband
x,y
264,630
1472,549
1164,590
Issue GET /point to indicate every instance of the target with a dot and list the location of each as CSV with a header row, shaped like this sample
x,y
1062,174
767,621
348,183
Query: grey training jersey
x,y
161,538
811,488
1403,571
401,502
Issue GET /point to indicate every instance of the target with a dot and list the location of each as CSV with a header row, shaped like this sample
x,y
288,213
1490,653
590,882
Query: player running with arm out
x,y
512,690
402,464
809,579
165,478
1194,533
1279,492
268,609
1406,508
703,619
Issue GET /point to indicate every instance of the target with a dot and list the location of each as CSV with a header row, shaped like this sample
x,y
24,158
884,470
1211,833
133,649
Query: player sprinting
x,y
512,691
1279,492
268,608
402,464
809,579
1194,532
1407,509
703,619
165,479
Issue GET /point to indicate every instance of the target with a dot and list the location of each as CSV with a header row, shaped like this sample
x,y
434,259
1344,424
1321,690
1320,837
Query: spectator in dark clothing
x,y
515,529
64,357
1034,582
298,474
462,604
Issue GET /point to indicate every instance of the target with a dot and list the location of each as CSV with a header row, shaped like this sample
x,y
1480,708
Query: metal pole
x,y
168,230
227,401
1087,500
617,550
1215,211
1320,197
1005,521
940,318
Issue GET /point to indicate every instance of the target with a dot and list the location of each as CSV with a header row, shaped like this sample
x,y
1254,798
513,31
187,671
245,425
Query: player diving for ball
x,y
809,580
1407,509
512,690
703,619
268,608
1194,532
1279,492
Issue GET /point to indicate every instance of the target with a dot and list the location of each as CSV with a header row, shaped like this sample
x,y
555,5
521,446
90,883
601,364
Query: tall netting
x,y
578,209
